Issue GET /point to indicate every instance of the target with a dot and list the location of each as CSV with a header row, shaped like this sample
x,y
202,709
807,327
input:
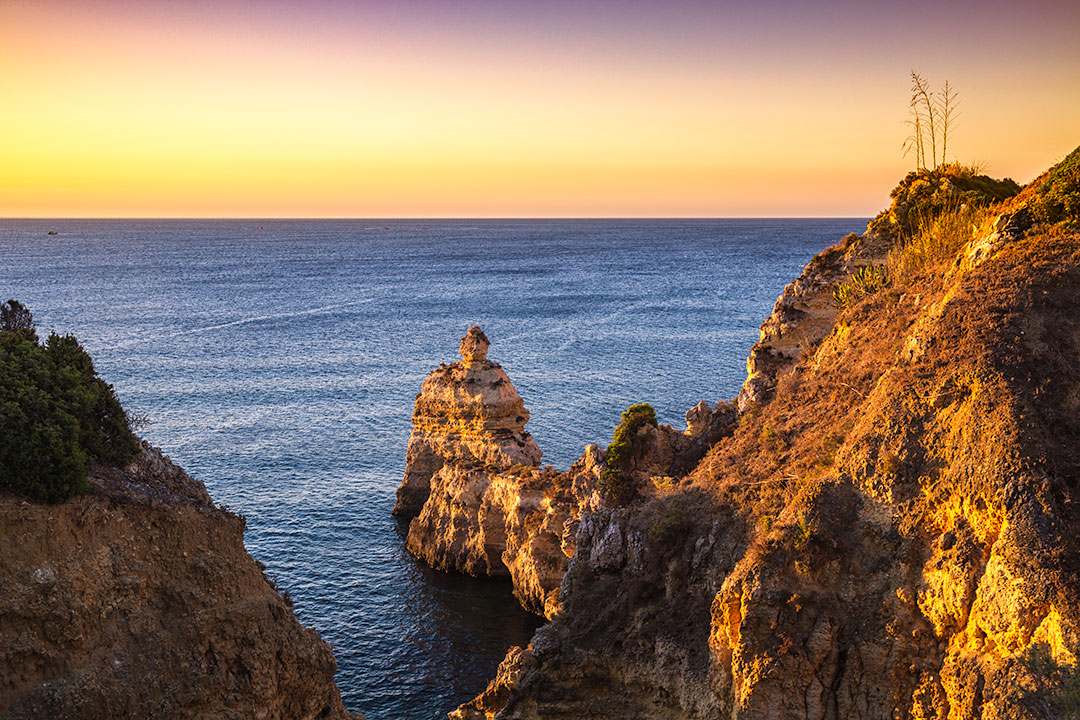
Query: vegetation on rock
x,y
937,240
615,479
867,280
1058,196
932,214
1050,690
924,195
57,414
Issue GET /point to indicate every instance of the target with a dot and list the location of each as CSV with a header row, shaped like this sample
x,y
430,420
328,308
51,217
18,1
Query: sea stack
x,y
479,501
468,413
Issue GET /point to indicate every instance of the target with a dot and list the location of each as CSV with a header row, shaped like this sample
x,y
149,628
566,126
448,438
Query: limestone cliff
x,y
890,530
483,504
804,314
138,600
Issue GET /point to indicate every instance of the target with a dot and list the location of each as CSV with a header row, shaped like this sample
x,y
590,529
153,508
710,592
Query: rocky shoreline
x,y
488,508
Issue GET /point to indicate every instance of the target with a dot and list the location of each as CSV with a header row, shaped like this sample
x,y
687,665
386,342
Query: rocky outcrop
x,y
487,506
803,315
497,693
892,529
139,600
518,524
661,455
485,512
467,413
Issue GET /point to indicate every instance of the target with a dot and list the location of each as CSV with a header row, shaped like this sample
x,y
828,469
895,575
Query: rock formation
x,y
803,315
138,600
467,413
488,507
890,530
483,504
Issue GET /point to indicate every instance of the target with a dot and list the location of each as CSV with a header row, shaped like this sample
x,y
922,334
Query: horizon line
x,y
391,218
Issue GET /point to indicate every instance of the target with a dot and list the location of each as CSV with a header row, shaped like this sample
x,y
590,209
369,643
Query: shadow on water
x,y
464,622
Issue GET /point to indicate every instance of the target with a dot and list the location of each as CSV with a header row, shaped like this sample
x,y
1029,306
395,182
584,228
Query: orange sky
x,y
431,109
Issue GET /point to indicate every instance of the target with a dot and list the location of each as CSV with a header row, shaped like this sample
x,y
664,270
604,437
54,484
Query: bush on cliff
x,y
933,213
1058,196
615,478
865,281
923,196
57,415
1047,689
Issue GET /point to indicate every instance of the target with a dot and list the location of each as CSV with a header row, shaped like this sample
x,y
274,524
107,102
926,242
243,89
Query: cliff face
x,y
139,600
889,531
803,314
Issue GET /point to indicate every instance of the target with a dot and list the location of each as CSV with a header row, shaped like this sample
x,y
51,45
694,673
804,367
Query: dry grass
x,y
936,242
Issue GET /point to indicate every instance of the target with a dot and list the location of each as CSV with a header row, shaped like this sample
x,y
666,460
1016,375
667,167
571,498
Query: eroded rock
x,y
467,412
488,508
483,504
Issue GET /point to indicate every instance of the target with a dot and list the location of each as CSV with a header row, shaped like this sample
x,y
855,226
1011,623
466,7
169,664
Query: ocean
x,y
278,362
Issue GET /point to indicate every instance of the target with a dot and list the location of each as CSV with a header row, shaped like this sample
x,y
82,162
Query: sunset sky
x,y
432,108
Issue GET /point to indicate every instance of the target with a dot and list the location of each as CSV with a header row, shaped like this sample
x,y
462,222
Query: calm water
x,y
279,365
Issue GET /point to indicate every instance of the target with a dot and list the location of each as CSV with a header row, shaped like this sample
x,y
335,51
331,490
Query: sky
x,y
474,108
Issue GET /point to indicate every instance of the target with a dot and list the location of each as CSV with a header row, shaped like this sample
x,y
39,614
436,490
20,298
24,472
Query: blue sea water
x,y
278,362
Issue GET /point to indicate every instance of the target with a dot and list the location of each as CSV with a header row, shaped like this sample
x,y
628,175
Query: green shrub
x,y
668,526
614,478
57,416
921,197
1058,197
865,281
772,439
804,532
829,447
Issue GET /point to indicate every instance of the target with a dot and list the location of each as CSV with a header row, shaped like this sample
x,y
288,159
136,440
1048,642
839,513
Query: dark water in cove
x,y
279,365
